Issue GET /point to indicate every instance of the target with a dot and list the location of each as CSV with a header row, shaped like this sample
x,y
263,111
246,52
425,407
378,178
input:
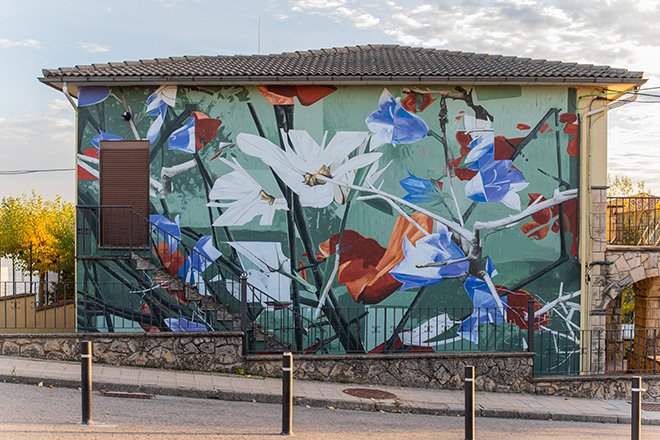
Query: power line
x,y
16,172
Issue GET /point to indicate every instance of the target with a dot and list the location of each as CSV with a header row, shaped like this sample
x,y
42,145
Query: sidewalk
x,y
318,394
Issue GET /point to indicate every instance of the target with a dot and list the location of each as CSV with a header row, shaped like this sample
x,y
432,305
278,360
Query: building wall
x,y
389,143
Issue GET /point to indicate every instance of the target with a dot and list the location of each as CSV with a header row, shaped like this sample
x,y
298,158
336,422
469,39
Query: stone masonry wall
x,y
202,350
597,386
500,372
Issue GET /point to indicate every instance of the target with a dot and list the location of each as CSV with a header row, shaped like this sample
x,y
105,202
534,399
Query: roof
x,y
356,64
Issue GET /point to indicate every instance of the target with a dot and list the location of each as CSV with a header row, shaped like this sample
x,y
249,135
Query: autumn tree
x,y
47,227
622,186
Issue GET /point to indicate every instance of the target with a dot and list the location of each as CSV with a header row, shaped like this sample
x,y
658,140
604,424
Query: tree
x,y
621,186
38,236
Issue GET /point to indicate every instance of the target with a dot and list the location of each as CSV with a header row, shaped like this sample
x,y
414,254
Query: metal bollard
x,y
469,403
86,381
287,394
636,408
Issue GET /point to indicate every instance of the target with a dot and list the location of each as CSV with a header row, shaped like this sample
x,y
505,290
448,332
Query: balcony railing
x,y
633,221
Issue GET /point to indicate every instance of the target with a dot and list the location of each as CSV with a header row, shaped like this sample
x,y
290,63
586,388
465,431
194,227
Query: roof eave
x,y
56,82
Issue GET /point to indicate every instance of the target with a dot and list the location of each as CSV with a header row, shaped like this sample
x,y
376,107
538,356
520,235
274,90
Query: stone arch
x,y
646,345
640,268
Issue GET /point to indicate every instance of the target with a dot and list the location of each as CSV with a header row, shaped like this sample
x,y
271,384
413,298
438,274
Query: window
x,y
124,181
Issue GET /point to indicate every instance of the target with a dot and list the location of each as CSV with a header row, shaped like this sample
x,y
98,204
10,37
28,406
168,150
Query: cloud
x,y
24,43
564,30
42,141
303,5
93,47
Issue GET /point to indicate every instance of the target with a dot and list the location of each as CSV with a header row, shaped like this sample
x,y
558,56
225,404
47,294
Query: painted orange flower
x,y
364,268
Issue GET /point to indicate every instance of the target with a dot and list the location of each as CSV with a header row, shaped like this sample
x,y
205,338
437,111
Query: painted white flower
x,y
300,166
432,328
261,259
475,127
250,200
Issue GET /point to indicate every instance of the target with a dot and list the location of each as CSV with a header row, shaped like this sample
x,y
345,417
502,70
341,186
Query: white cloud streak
x,y
93,47
34,44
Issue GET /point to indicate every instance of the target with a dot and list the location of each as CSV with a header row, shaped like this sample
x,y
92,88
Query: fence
x,y
615,351
633,221
40,307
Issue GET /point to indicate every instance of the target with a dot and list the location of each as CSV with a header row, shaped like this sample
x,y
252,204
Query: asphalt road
x,y
31,412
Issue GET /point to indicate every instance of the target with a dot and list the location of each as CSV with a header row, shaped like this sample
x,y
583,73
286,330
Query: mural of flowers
x,y
335,188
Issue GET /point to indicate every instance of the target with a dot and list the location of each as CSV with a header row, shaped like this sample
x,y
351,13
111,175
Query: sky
x,y
37,123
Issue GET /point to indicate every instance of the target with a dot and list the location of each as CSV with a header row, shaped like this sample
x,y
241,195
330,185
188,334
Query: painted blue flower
x,y
485,308
157,104
392,124
496,180
183,139
103,136
203,256
168,229
419,190
92,95
430,249
183,325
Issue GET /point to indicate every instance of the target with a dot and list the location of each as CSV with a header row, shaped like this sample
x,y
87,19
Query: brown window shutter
x,y
124,177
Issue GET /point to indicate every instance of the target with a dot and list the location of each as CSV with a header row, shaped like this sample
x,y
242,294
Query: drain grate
x,y
368,393
126,395
650,406
647,406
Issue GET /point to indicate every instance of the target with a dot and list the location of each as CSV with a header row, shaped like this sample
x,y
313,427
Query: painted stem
x,y
398,209
450,173
451,225
559,197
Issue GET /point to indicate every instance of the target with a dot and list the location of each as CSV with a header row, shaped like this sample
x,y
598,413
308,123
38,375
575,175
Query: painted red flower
x,y
517,308
306,94
397,346
504,149
364,268
417,102
548,220
205,128
571,129
146,327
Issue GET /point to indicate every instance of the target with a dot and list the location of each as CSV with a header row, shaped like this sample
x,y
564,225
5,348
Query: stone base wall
x,y
598,387
192,351
500,372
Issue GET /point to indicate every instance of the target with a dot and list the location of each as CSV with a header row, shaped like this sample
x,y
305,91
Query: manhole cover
x,y
369,393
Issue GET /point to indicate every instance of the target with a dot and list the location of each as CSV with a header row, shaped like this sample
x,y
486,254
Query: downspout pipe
x,y
65,90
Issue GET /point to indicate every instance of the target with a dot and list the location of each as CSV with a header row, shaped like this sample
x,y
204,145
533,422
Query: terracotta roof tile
x,y
374,61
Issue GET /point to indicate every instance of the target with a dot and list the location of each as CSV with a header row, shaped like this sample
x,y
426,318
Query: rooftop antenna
x,y
259,38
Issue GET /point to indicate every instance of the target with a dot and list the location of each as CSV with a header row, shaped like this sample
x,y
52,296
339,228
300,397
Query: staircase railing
x,y
189,273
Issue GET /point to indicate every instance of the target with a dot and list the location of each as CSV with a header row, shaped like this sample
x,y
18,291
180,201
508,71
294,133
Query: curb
x,y
358,405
